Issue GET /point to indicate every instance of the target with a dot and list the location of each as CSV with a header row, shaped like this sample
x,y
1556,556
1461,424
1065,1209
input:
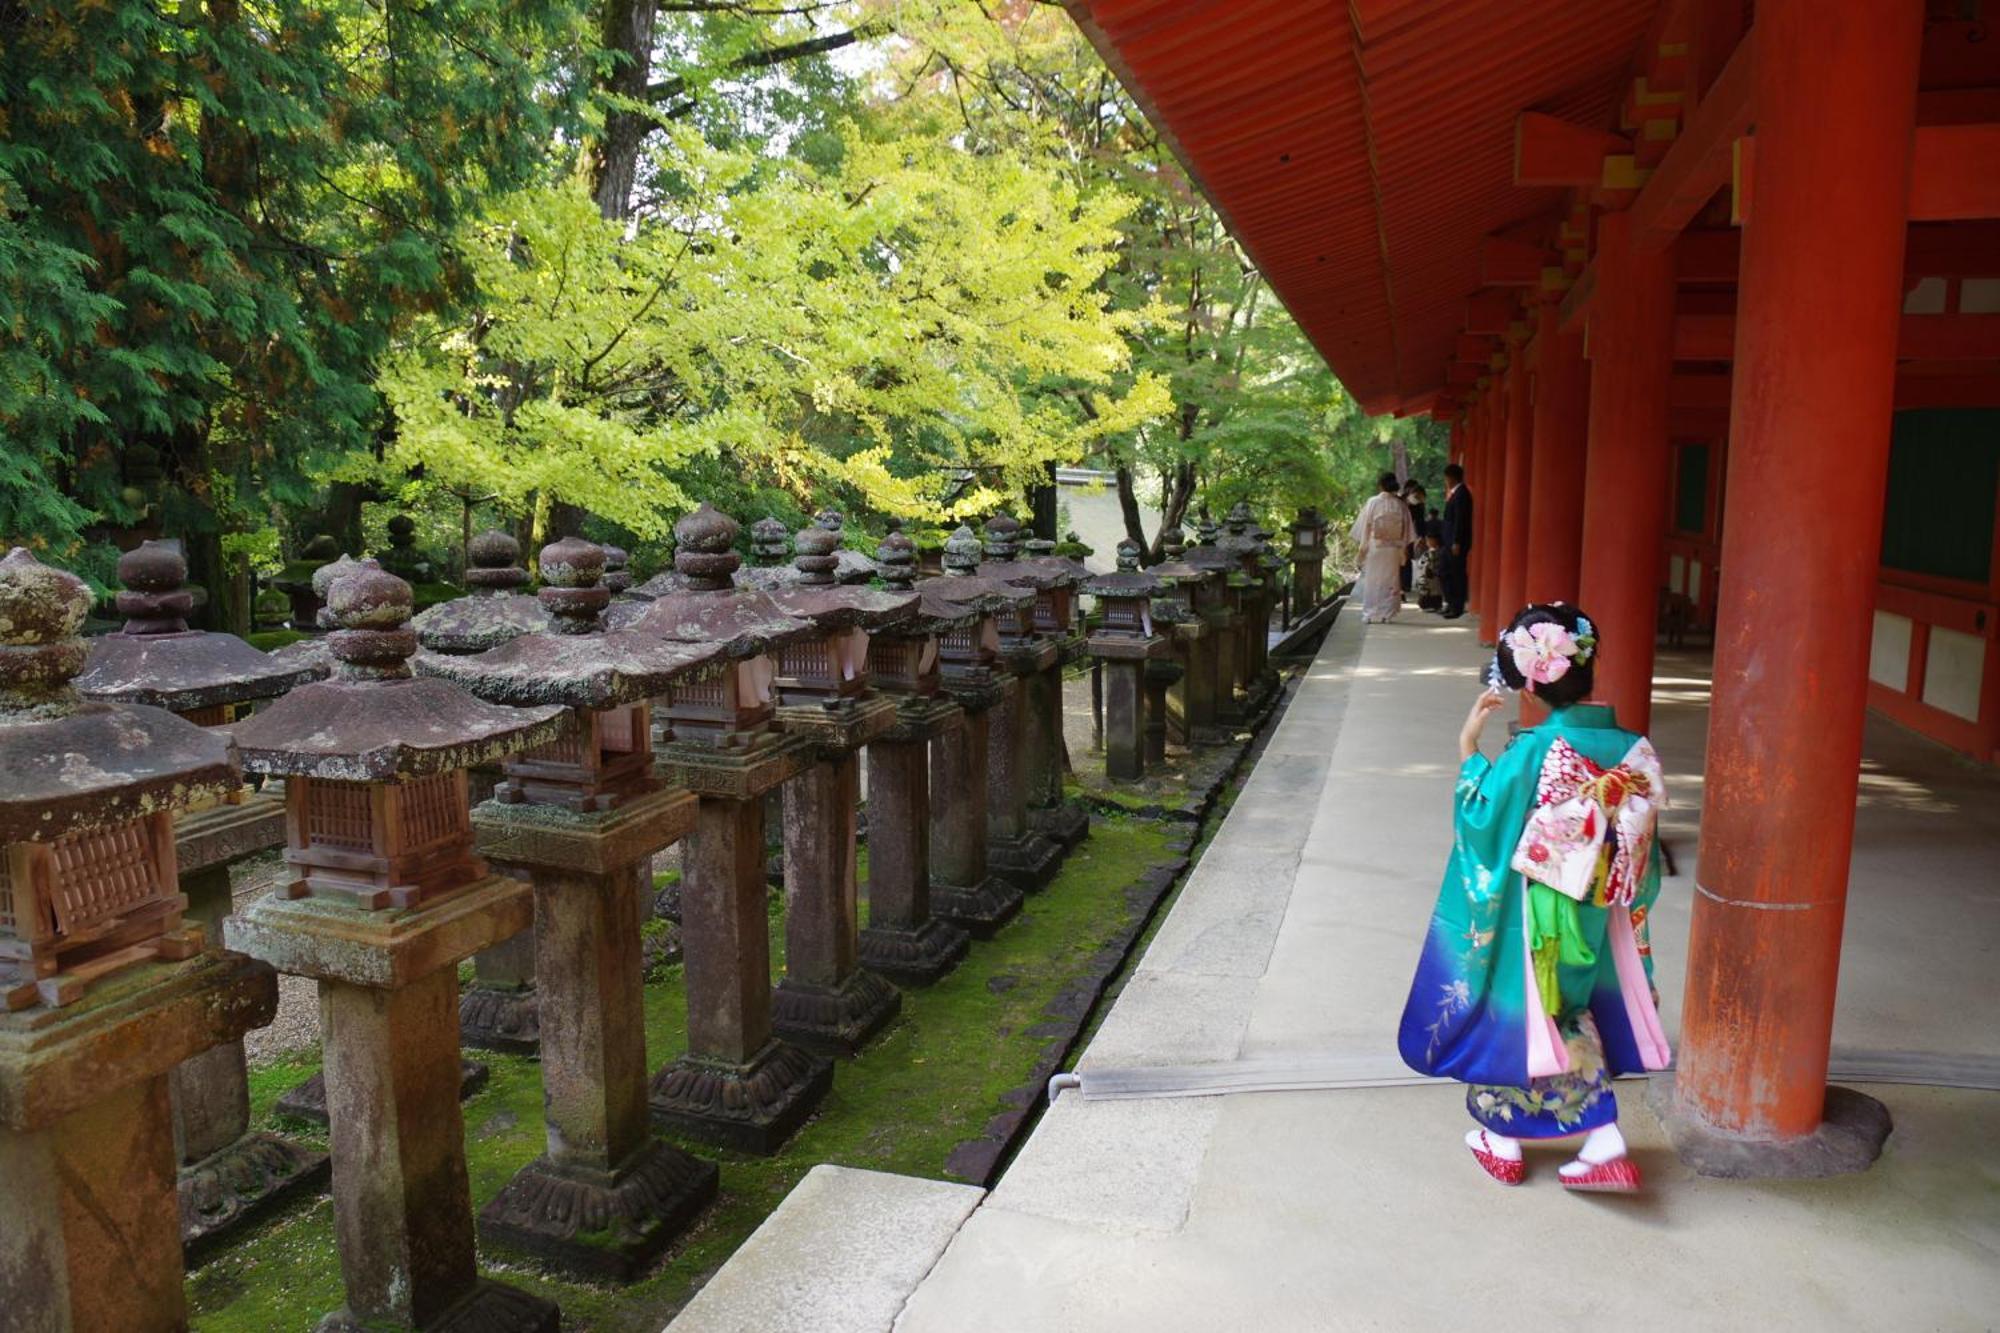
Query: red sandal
x,y
1508,1171
1620,1175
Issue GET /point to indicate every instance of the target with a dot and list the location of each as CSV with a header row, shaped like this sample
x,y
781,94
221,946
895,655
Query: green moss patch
x,y
929,1082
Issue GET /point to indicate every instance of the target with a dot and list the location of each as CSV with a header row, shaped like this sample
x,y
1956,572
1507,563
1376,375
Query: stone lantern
x,y
1125,640
904,941
1225,616
227,1173
296,581
1188,711
738,1085
1058,615
581,818
403,559
387,896
1250,581
1026,746
494,611
617,569
770,555
499,1011
104,989
1308,559
963,889
850,566
827,1002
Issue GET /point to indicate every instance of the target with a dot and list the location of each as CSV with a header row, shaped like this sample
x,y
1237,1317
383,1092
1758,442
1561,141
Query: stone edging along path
x,y
1068,1017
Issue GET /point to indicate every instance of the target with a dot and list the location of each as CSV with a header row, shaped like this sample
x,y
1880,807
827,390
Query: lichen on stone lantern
x,y
87,793
832,667
375,759
606,677
494,611
1006,609
156,659
706,606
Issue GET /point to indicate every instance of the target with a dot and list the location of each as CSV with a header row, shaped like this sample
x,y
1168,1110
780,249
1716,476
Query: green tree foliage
x,y
213,216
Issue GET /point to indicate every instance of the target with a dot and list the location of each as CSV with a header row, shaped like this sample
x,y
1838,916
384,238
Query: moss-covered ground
x,y
929,1082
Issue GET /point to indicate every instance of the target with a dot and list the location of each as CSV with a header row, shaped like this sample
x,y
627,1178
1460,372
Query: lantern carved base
x,y
834,1020
979,909
489,1307
603,1224
500,1010
752,1107
228,1190
1065,823
914,956
1029,862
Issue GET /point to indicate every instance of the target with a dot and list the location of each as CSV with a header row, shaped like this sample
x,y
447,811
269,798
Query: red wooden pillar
x,y
1510,595
1494,501
1555,487
1819,300
1627,478
1475,482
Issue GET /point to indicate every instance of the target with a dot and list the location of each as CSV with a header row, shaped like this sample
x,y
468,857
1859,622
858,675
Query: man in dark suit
x,y
1456,543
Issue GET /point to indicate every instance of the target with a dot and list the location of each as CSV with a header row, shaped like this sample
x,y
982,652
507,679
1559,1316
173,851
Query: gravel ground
x,y
297,1022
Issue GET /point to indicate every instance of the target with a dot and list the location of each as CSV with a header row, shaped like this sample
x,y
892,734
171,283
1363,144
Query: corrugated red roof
x,y
1361,151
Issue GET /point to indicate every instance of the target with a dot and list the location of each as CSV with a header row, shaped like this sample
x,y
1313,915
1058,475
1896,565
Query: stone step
x,y
840,1255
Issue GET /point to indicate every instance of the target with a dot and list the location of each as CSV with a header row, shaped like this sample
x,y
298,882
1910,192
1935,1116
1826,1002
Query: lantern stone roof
x,y
68,764
374,721
1128,580
1041,552
704,605
968,581
1003,558
850,566
494,611
816,596
896,559
579,662
1176,567
156,659
617,568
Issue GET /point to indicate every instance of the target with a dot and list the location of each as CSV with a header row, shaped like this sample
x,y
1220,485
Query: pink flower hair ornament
x,y
1544,652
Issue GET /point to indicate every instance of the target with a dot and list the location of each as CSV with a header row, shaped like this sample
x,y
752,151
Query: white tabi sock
x,y
1601,1145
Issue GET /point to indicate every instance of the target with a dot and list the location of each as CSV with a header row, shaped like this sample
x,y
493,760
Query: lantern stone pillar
x,y
904,941
104,987
1308,560
1124,642
967,889
1052,813
581,819
498,1011
228,1175
827,1001
387,897
738,1085
1224,618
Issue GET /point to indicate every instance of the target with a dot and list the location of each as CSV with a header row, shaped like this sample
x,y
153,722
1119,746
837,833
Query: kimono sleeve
x,y
1493,802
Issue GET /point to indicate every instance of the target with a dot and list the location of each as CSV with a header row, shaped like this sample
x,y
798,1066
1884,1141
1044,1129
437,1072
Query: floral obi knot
x,y
1586,818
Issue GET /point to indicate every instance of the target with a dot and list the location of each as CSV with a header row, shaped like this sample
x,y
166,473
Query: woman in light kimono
x,y
1383,531
1535,982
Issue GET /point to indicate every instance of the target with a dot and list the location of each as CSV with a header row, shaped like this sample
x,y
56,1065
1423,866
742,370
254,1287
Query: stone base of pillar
x,y
915,957
1849,1139
497,1019
308,1100
1029,862
978,910
1066,823
752,1107
228,1189
834,1020
488,1308
600,1224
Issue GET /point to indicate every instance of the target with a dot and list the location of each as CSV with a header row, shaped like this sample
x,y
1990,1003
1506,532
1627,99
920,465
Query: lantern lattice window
x,y
379,844
608,758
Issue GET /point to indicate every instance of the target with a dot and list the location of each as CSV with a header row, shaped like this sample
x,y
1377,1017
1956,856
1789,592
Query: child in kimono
x,y
1534,987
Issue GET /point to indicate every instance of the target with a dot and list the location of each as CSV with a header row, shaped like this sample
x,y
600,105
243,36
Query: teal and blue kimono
x,y
1535,982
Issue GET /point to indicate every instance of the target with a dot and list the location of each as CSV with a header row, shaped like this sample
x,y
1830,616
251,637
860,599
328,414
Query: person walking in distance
x,y
1455,544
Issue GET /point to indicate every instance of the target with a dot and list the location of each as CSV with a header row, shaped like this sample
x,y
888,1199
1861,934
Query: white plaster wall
x,y
1889,652
1955,666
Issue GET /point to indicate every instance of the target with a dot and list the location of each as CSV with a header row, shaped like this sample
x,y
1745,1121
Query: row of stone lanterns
x,y
609,730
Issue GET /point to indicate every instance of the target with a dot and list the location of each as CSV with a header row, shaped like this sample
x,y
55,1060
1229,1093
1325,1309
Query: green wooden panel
x,y
1691,489
1944,476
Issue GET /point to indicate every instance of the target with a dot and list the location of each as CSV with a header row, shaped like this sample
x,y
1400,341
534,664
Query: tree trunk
x,y
627,33
1128,506
1045,497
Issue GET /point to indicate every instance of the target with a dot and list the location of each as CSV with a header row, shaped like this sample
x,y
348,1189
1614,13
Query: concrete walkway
x,y
1359,1208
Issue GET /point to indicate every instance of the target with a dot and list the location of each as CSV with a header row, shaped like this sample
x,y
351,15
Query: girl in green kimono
x,y
1535,982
